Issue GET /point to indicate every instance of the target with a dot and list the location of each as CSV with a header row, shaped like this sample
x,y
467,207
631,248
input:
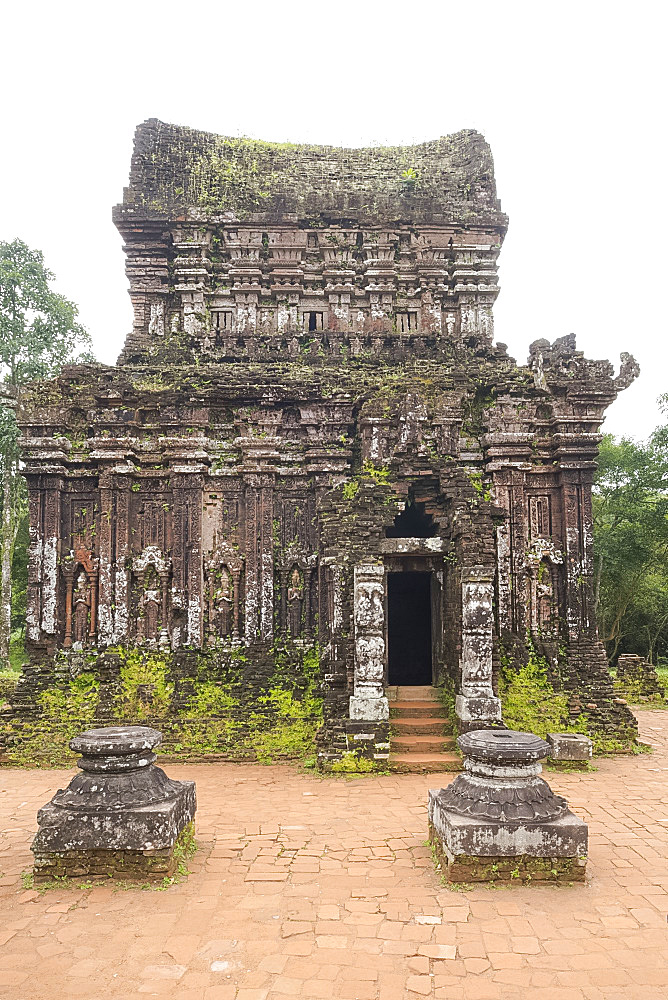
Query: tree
x,y
630,502
39,333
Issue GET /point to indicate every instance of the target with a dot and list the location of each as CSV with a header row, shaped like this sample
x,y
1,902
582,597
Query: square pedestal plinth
x,y
483,850
119,863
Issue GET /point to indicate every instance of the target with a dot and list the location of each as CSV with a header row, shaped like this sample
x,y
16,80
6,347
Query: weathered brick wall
x,y
220,702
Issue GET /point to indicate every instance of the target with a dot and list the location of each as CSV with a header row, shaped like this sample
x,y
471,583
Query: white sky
x,y
571,97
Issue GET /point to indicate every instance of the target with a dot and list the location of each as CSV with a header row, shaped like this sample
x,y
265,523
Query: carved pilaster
x,y
477,702
51,509
369,701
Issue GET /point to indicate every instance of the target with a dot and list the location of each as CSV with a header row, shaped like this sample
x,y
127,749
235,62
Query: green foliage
x,y
288,729
481,490
630,506
39,333
446,695
376,472
185,848
369,472
20,574
65,712
409,178
72,708
530,703
352,763
39,330
146,690
240,176
210,712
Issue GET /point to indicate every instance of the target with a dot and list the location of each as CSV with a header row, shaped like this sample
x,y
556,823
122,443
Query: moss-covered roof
x,y
179,171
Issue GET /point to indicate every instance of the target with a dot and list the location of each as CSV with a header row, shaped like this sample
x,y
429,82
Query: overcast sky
x,y
571,97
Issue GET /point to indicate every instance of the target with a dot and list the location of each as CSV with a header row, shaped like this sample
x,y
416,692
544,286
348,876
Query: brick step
x,y
413,709
421,743
426,763
419,724
412,692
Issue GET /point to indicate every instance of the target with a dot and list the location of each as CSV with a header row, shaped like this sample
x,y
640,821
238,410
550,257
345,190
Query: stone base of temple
x,y
522,868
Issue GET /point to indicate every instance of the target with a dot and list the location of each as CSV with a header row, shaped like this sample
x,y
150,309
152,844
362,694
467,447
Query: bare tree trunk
x,y
7,536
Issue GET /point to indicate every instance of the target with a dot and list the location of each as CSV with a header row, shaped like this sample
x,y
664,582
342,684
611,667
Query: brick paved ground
x,y
323,888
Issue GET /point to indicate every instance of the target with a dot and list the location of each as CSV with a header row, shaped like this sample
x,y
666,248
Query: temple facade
x,y
312,439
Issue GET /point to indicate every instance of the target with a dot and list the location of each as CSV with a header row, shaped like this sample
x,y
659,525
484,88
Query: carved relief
x,y
540,517
295,601
80,572
369,628
81,600
151,573
296,578
545,608
543,562
222,593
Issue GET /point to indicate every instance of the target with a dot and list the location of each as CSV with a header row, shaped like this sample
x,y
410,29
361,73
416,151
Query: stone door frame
x,y
476,704
369,702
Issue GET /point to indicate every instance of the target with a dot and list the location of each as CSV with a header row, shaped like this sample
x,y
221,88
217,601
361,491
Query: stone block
x,y
486,708
369,709
569,746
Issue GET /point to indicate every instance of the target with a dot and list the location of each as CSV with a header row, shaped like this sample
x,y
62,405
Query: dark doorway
x,y
412,522
409,628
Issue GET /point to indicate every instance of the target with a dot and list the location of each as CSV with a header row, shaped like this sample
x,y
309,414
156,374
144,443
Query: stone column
x,y
68,574
121,550
93,577
477,703
35,552
187,485
236,582
369,702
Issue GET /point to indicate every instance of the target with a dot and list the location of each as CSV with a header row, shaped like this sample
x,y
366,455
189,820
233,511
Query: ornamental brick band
x,y
121,816
500,820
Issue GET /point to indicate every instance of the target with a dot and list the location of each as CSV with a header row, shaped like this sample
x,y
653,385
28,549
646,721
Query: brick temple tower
x,y
311,438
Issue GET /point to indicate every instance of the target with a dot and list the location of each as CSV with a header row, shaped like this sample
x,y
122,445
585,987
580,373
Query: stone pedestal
x,y
500,821
121,817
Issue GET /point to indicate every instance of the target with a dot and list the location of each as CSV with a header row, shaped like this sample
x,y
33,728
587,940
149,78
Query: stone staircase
x,y
420,733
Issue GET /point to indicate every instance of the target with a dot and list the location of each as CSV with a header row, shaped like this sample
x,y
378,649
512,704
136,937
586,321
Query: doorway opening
x,y
409,628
